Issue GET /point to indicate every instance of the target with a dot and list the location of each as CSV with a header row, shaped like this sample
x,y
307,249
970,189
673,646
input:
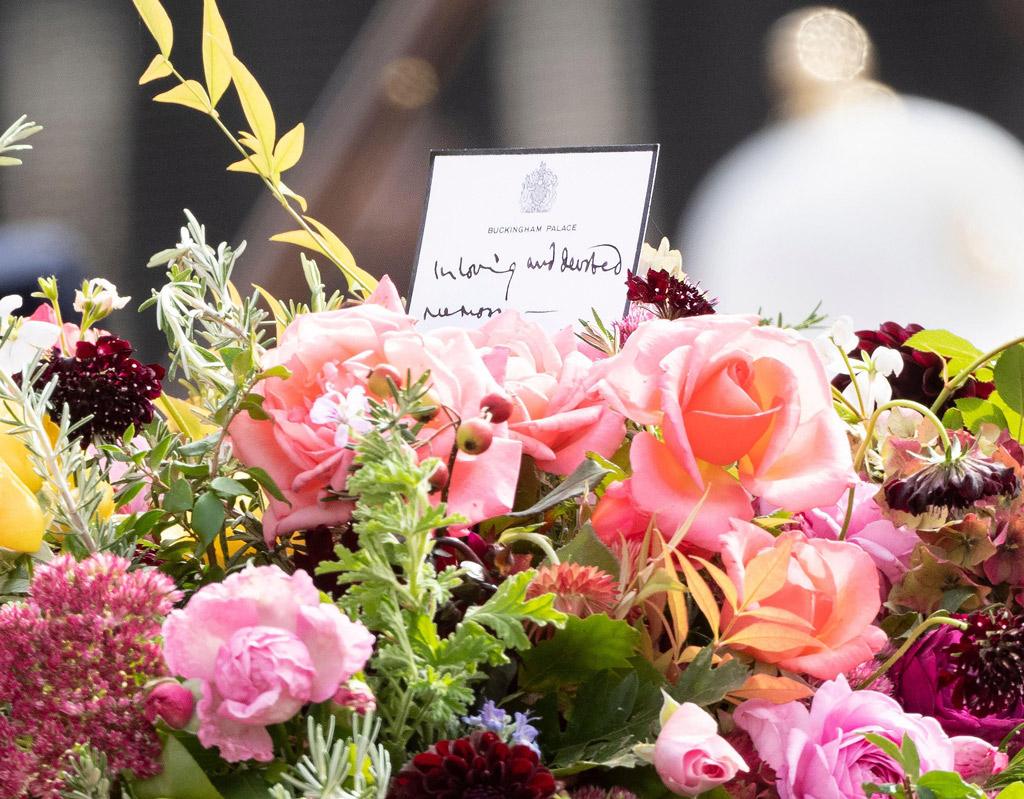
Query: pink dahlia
x,y
74,658
579,590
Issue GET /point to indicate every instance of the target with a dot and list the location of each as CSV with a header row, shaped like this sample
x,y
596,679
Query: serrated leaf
x,y
189,94
769,637
766,573
701,593
959,351
158,68
289,149
208,517
705,685
586,549
257,110
508,608
1009,377
577,652
340,255
216,51
155,18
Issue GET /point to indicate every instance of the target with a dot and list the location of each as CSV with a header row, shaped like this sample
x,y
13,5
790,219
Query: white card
x,y
551,233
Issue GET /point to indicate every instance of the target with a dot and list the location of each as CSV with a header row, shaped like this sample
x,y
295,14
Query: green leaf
x,y
1009,377
229,487
216,51
508,608
266,482
911,758
976,412
1014,420
574,654
179,498
243,785
587,475
587,549
159,24
1014,791
886,745
208,518
959,351
180,778
947,785
704,685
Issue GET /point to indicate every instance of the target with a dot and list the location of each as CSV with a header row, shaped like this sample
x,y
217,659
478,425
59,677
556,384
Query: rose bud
x,y
356,696
377,382
474,436
171,701
498,406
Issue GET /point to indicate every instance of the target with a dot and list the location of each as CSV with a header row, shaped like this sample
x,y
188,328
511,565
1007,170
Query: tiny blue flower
x,y
491,717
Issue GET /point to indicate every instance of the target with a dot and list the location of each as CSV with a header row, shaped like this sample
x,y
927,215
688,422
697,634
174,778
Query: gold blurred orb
x,y
831,45
410,82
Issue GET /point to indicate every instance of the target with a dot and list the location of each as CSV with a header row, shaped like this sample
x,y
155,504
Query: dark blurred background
x,y
381,83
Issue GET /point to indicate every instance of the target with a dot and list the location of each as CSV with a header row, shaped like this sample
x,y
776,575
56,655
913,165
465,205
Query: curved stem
x,y
853,380
538,540
849,513
929,414
916,633
961,377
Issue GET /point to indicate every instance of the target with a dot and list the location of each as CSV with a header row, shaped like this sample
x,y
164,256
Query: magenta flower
x,y
263,645
74,658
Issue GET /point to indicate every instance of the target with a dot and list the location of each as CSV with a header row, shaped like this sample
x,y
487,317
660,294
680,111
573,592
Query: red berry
x,y
498,406
439,479
378,380
474,436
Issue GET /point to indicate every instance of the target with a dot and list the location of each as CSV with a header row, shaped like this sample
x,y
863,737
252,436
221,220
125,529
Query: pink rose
x,y
262,645
171,701
318,412
976,760
829,598
303,446
618,517
689,754
556,413
822,752
726,392
888,546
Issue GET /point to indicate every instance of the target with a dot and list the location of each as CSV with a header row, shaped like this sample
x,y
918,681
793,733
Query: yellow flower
x,y
22,521
14,453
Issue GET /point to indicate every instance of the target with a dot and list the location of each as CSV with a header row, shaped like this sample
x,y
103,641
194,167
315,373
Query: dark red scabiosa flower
x,y
481,766
956,483
921,377
668,296
102,380
969,680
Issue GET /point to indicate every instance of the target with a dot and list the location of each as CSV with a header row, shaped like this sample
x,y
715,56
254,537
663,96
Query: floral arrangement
x,y
329,555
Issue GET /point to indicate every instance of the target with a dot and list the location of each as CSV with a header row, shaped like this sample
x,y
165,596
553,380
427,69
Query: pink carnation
x,y
263,645
726,392
557,414
822,751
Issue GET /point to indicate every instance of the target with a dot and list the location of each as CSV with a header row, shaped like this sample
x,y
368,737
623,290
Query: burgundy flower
x,y
668,296
481,766
103,381
956,483
970,681
921,377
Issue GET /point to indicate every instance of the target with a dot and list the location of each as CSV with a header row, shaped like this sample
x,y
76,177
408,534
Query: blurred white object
x,y
904,209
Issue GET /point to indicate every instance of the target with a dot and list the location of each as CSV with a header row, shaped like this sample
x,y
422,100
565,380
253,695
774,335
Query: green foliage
x,y
422,679
705,685
1009,377
576,653
587,549
180,777
958,351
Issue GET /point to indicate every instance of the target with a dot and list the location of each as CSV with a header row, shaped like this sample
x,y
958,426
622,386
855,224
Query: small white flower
x,y
870,377
349,413
99,297
838,339
25,338
663,259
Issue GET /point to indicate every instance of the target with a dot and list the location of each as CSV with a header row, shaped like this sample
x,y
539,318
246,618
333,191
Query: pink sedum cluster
x,y
307,444
726,392
262,645
74,658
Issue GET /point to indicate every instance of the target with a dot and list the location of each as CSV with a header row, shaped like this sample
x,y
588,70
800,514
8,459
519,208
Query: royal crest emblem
x,y
540,188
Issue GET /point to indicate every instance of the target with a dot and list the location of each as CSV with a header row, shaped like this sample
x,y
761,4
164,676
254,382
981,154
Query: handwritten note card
x,y
551,233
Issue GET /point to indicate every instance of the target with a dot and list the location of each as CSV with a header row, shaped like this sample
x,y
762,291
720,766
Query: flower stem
x,y
849,513
538,540
961,377
916,633
929,414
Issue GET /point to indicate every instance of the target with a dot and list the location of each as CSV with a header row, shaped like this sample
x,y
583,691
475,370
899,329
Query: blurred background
x,y
777,196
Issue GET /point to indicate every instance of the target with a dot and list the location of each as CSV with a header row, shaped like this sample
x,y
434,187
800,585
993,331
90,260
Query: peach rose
x,y
557,414
829,597
745,411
